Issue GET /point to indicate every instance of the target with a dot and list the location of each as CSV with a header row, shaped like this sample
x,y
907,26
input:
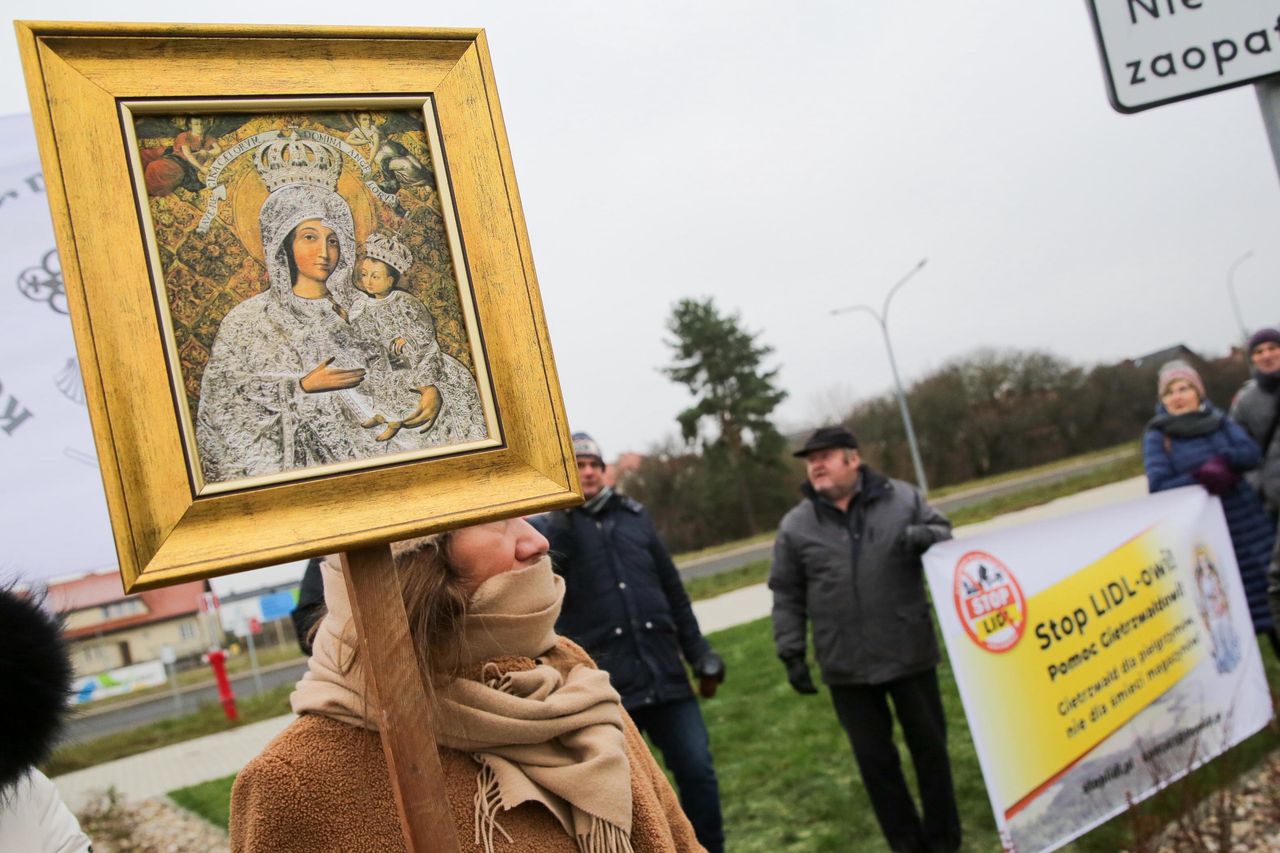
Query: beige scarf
x,y
538,736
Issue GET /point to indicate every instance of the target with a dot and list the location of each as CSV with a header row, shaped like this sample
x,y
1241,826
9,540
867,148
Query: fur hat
x,y
1178,369
36,673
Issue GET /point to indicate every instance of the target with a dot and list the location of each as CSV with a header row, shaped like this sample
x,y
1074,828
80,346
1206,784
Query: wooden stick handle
x,y
402,699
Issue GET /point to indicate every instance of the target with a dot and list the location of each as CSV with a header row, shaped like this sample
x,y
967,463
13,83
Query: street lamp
x,y
1231,291
882,317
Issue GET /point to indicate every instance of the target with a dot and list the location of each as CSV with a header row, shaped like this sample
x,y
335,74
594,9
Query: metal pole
x,y
253,662
906,415
173,686
882,318
1231,291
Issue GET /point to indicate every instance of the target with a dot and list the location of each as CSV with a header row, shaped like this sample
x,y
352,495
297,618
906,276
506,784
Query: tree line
x,y
732,475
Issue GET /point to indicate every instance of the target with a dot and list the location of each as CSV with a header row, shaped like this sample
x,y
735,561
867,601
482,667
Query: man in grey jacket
x,y
847,559
1257,409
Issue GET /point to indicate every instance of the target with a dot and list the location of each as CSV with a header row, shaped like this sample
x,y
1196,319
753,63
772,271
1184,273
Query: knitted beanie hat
x,y
585,445
1264,336
1178,369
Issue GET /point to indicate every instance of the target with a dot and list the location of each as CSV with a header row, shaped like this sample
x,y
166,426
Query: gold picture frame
x,y
226,439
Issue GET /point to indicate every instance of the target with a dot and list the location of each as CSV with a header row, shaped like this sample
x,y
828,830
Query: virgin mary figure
x,y
282,388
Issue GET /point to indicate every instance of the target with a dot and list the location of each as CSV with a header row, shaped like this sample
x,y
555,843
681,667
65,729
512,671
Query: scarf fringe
x,y
604,837
488,801
601,837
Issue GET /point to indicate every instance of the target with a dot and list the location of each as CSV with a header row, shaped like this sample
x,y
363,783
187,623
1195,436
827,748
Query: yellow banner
x,y
1074,662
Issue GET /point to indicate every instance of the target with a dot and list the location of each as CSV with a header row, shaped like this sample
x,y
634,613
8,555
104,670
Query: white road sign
x,y
1158,51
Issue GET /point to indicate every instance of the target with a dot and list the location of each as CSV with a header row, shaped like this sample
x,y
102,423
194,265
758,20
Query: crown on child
x,y
290,160
390,250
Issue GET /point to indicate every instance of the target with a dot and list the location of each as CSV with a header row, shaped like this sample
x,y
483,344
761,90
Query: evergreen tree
x,y
721,364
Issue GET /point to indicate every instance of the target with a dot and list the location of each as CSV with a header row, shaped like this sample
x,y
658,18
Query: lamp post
x,y
1231,291
882,317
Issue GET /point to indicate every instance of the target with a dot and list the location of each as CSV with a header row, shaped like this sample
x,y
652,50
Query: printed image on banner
x,y
989,601
1099,657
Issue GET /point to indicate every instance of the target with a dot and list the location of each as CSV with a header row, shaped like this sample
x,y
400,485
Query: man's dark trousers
x,y
677,729
864,713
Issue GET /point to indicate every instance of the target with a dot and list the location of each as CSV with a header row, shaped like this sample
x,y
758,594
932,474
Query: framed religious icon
x,y
301,288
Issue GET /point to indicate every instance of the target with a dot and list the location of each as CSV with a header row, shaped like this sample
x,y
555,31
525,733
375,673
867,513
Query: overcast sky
x,y
791,158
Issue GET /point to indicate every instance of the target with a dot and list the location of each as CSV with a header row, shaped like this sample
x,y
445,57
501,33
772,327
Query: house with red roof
x,y
107,629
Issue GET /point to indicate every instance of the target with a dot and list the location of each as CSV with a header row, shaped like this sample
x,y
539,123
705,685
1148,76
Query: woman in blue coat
x,y
1192,441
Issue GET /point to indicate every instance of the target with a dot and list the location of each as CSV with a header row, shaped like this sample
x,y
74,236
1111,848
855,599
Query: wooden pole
x,y
403,701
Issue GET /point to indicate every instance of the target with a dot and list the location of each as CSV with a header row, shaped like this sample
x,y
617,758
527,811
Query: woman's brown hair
x,y
435,603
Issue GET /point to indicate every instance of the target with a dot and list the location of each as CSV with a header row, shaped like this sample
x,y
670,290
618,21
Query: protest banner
x,y
1099,656
49,479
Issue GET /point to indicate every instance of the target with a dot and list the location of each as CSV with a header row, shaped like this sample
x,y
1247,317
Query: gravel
x,y
149,826
1247,815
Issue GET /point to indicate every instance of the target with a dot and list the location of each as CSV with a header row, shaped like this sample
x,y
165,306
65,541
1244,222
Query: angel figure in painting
x,y
396,165
184,163
410,357
282,388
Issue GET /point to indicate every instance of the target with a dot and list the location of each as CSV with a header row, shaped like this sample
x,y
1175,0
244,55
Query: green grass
x,y
726,546
208,719
787,777
996,479
211,800
983,510
788,781
757,571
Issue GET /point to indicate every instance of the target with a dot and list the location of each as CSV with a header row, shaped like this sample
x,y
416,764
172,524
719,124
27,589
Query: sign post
x,y
254,627
170,660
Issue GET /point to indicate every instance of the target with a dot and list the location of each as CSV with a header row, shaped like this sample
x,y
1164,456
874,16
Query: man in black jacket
x,y
847,559
625,604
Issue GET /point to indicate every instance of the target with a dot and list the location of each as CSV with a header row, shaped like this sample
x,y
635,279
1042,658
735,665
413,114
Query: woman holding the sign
x,y
1190,441
537,753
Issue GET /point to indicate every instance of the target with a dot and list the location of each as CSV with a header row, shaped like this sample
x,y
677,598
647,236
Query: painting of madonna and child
x,y
318,311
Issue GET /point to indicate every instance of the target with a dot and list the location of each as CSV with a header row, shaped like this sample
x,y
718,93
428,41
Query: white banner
x,y
51,499
117,682
1099,657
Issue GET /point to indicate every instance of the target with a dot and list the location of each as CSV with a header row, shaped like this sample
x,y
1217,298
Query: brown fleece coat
x,y
322,785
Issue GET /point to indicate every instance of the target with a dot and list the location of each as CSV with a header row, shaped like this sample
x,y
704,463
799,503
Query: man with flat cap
x,y
847,559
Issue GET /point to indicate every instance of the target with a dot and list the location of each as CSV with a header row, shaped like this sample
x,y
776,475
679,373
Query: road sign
x,y
278,605
1158,51
255,626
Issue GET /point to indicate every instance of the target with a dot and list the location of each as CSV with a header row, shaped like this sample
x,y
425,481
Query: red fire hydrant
x,y
218,660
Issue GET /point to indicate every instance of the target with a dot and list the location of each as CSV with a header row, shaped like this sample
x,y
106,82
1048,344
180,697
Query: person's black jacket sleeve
x,y
692,644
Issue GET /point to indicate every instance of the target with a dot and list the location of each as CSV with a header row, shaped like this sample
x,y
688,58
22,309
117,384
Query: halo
x,y
247,193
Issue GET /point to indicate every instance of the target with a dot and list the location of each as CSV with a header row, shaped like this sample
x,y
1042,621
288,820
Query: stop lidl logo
x,y
989,602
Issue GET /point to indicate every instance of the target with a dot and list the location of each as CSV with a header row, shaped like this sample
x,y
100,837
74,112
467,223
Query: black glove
x,y
710,672
710,665
916,538
798,675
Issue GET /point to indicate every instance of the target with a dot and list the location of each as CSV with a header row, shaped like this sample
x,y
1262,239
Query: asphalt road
x,y
127,715
123,716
